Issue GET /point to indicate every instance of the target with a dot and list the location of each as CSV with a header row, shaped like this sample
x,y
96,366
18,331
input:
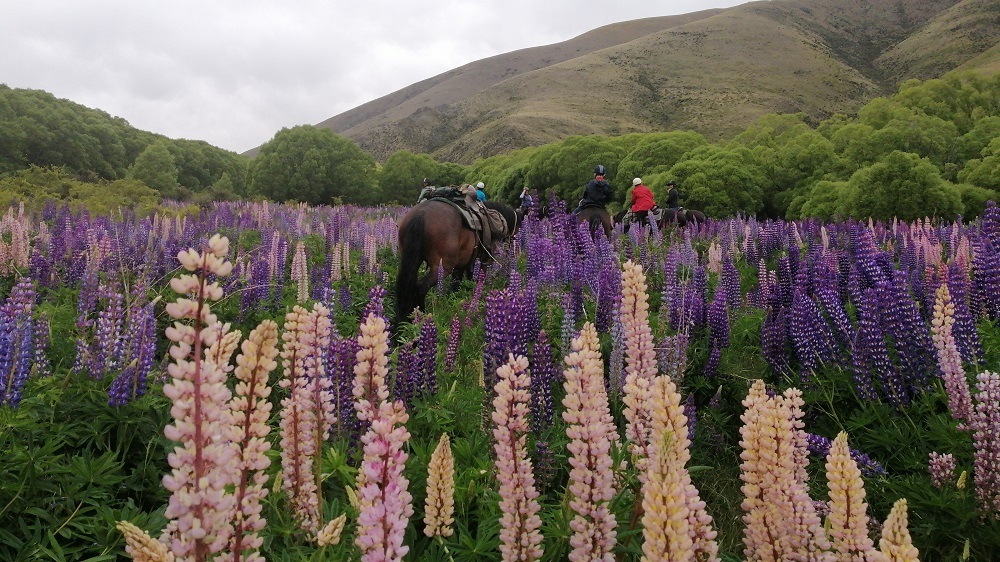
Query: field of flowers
x,y
223,386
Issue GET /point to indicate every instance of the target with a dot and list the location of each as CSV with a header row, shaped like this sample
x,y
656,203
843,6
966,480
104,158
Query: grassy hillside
x,y
713,72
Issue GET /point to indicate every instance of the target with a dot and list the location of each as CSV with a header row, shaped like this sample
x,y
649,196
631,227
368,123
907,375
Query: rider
x,y
673,196
480,194
426,189
642,201
597,191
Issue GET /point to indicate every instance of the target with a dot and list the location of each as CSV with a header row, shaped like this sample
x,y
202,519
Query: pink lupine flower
x,y
592,432
640,362
896,544
300,273
372,367
985,426
250,411
519,536
942,468
142,547
848,518
307,411
200,510
439,507
781,522
385,503
225,345
675,523
949,359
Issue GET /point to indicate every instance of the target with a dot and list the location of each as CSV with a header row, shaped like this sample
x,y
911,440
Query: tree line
x,y
932,149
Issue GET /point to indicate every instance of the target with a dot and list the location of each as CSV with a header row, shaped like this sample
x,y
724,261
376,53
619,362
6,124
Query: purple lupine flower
x,y
568,331
43,366
107,340
871,357
691,413
340,360
503,327
942,468
543,375
375,304
909,331
774,339
671,356
730,279
454,336
545,464
964,330
811,336
131,382
609,296
17,329
820,446
425,361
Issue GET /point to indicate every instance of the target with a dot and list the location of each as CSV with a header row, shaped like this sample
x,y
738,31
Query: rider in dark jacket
x,y
597,191
673,196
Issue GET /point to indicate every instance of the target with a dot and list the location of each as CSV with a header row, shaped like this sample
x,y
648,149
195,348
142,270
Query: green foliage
x,y
313,165
156,167
903,186
720,182
400,177
36,186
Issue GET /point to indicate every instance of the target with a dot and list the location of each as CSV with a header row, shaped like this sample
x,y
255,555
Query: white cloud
x,y
233,73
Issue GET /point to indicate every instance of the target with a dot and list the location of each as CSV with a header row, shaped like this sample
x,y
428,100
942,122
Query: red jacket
x,y
642,198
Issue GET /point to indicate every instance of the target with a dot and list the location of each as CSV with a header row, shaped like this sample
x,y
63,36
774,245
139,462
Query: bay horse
x,y
596,216
669,217
434,233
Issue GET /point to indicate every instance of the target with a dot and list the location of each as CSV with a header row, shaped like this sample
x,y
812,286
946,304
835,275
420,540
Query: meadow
x,y
222,385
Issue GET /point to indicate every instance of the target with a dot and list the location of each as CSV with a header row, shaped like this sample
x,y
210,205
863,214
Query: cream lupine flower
x,y
226,342
330,534
591,431
675,523
439,507
640,362
519,523
896,544
371,368
142,547
848,518
250,411
781,521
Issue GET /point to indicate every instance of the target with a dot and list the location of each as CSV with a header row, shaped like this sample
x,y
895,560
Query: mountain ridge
x,y
712,71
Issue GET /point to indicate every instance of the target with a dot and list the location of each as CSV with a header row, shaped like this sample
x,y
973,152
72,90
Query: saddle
x,y
489,223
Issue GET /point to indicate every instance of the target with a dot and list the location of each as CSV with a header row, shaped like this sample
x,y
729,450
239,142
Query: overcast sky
x,y
233,73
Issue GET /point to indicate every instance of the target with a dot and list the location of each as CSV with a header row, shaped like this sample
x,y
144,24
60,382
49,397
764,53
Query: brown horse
x,y
596,216
433,233
679,217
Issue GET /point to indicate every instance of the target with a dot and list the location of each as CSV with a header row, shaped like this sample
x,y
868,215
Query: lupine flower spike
x,y
250,410
439,508
142,547
848,519
200,510
520,539
640,361
675,523
896,544
591,431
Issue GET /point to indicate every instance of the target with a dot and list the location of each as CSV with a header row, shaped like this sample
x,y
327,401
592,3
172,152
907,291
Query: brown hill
x,y
713,71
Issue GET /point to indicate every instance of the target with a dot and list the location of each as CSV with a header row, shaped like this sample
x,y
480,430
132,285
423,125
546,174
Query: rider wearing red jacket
x,y
642,201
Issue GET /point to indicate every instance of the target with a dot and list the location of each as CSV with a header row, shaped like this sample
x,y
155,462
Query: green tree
x,y
905,186
827,200
313,165
985,171
401,174
157,168
717,181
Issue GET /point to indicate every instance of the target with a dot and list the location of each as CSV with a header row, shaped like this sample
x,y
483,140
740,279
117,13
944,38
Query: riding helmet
x,y
671,182
599,170
636,181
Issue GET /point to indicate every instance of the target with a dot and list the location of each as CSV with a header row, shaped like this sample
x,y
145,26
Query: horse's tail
x,y
411,254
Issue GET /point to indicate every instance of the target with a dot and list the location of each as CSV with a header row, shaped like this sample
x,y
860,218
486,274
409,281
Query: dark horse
x,y
433,233
596,216
678,217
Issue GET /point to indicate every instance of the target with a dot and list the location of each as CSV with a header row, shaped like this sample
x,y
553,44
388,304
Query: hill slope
x,y
712,71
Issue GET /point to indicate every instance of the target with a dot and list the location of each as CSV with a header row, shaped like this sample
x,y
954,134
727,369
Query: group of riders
x,y
598,192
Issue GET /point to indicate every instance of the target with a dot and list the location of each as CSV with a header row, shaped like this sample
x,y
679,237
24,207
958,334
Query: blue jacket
x,y
480,196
